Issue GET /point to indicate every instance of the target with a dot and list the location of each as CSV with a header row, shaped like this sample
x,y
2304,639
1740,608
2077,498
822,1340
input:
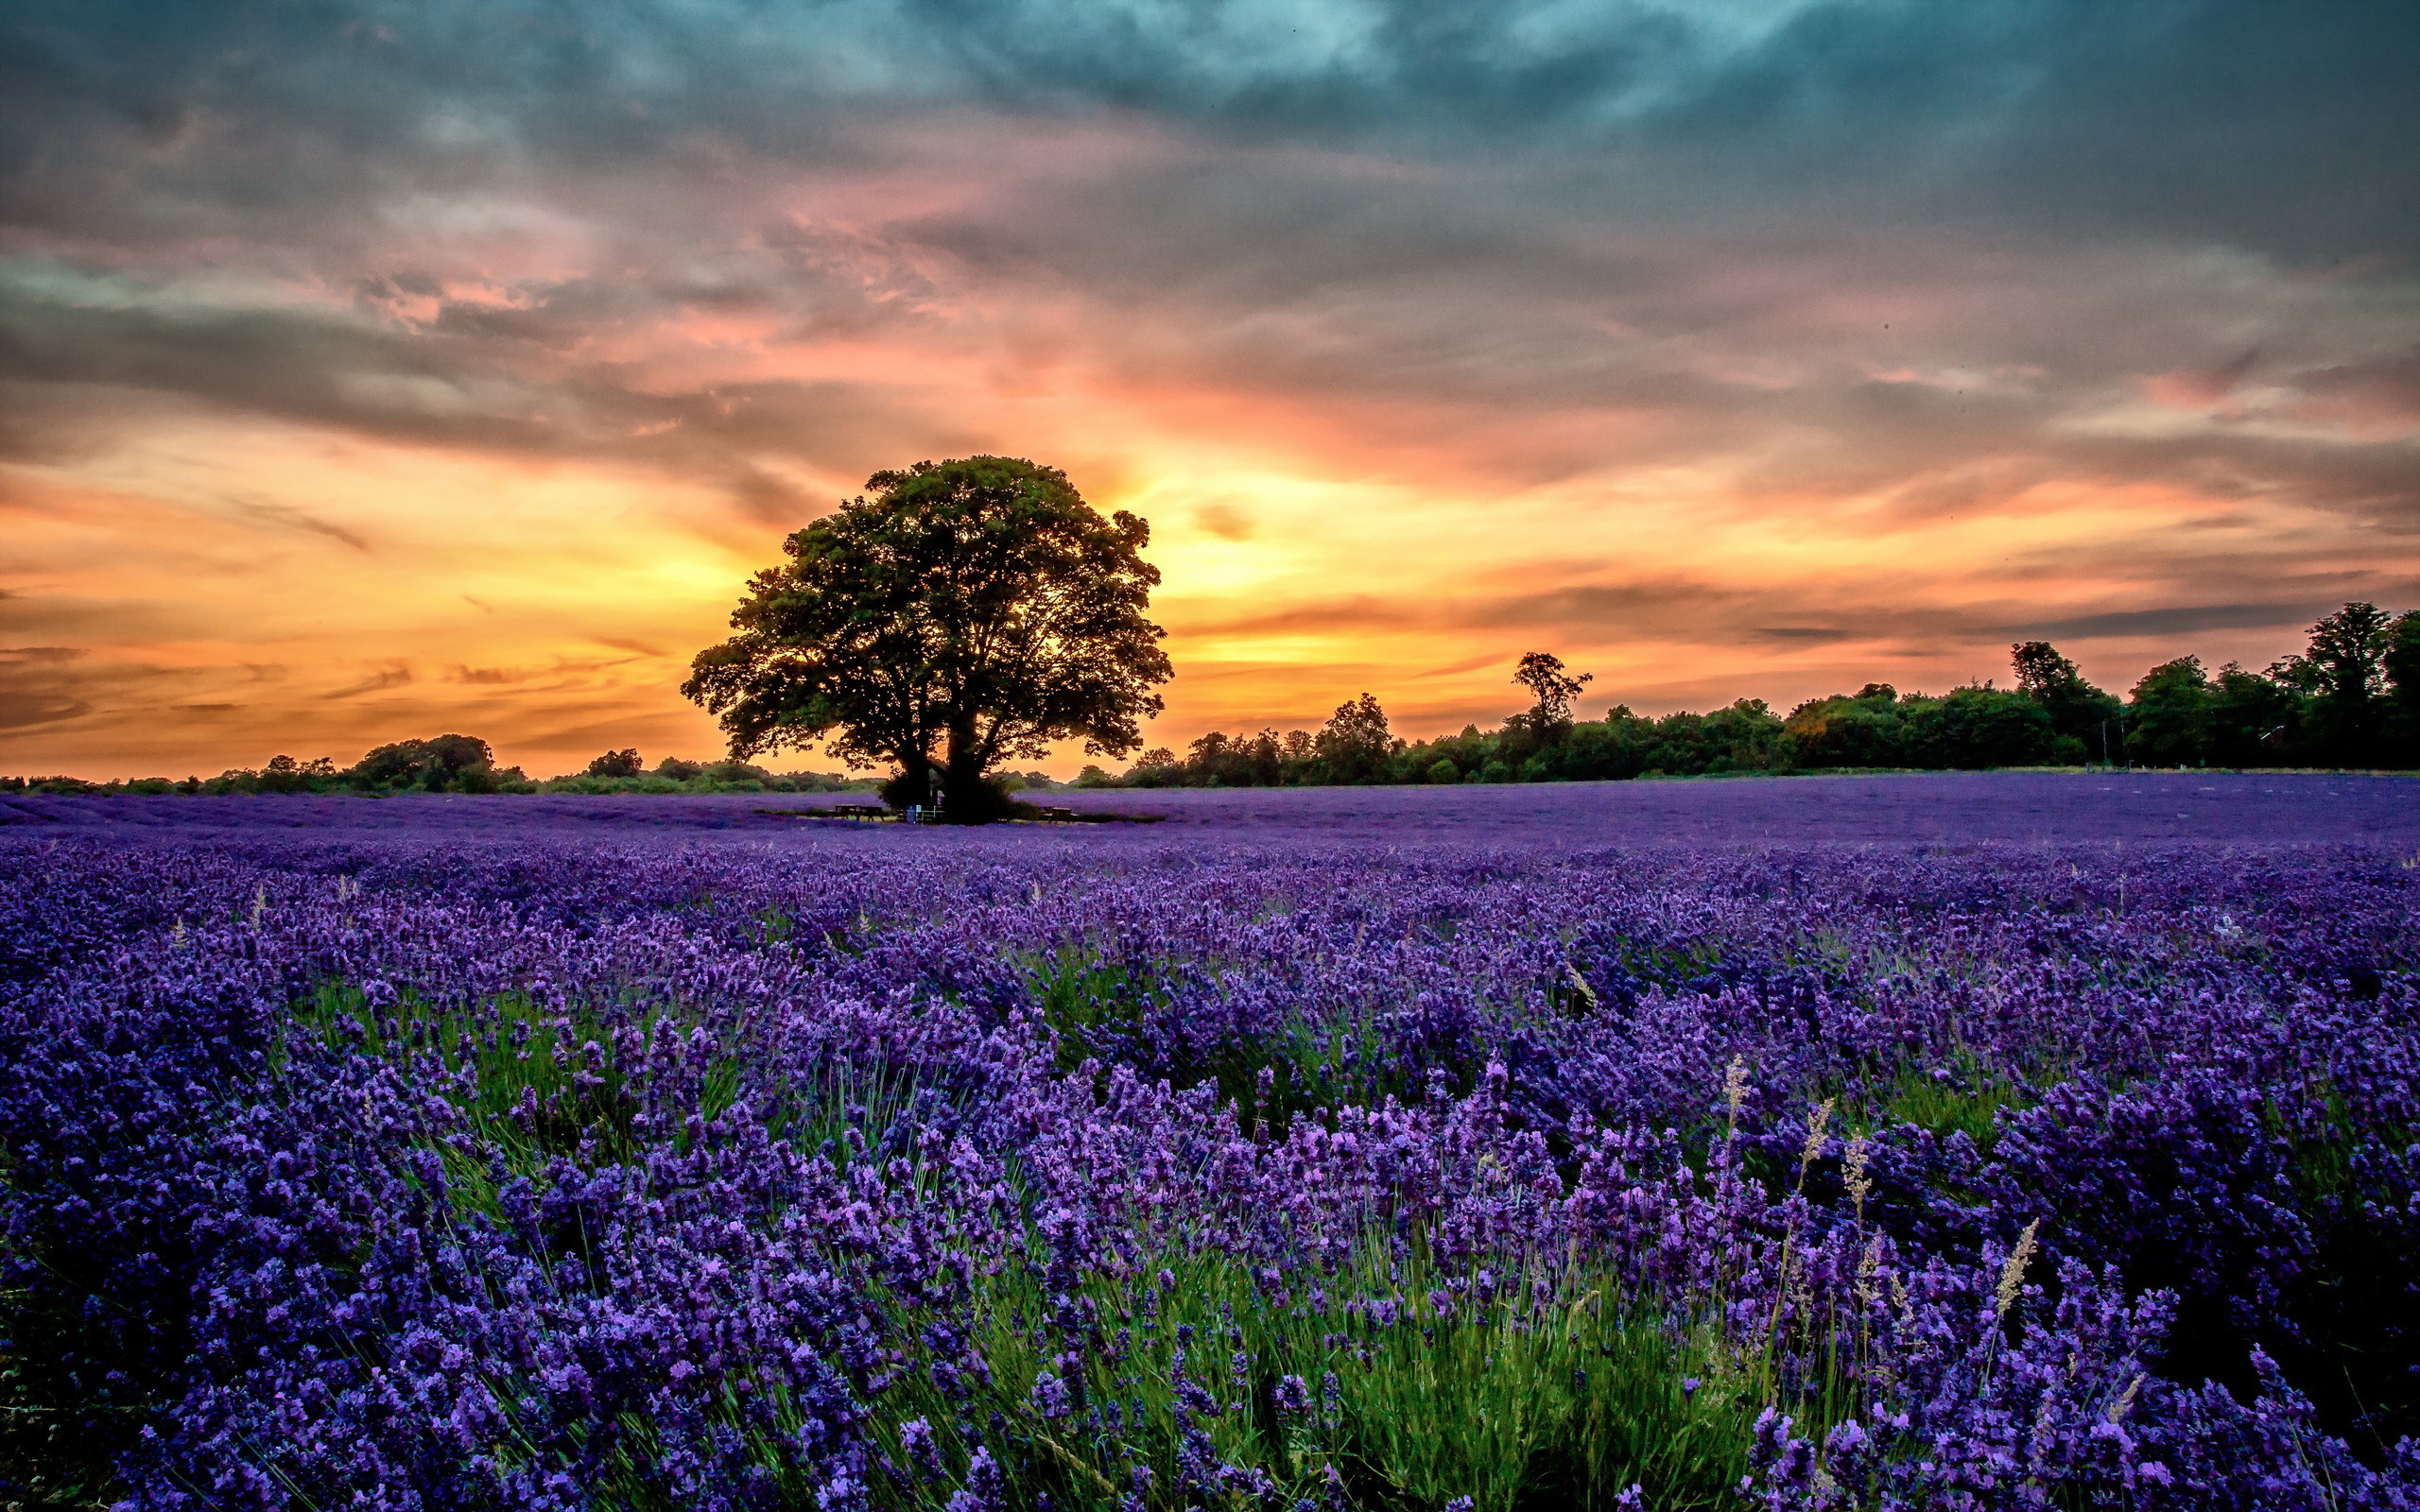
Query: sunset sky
x,y
373,371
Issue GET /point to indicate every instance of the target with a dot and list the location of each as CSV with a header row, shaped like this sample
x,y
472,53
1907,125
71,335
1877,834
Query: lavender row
x,y
420,1175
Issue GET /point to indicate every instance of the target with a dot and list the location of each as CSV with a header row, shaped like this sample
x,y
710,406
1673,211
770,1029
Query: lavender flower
x,y
534,1170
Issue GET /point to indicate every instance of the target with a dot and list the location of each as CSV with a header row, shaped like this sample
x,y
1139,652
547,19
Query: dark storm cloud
x,y
491,392
297,130
2281,128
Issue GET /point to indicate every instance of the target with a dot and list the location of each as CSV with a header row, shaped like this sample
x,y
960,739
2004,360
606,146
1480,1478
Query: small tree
x,y
980,606
2403,689
1355,741
2255,720
2077,708
2344,672
460,763
1156,768
283,774
2168,718
623,763
1553,688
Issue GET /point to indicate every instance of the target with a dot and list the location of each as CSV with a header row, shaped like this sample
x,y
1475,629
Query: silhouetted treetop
x,y
980,606
1553,688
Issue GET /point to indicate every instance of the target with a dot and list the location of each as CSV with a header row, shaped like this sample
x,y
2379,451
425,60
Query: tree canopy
x,y
623,763
2352,697
1543,673
2345,671
462,764
1355,741
958,615
2080,714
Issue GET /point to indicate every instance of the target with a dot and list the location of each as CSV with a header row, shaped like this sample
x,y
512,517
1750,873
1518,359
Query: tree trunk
x,y
913,786
966,798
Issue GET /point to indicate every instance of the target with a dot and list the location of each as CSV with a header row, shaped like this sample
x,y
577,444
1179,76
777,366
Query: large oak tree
x,y
980,606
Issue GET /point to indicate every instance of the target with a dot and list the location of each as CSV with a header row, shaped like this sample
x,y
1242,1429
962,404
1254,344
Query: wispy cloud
x,y
395,676
298,520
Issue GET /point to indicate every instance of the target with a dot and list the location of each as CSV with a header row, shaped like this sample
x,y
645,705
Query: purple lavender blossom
x,y
1292,1396
577,1160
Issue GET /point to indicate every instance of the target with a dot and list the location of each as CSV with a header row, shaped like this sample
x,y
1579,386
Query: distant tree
x,y
1264,757
980,605
2344,671
2403,690
2255,720
1094,775
1850,729
1971,728
1552,688
2041,671
2168,715
623,763
1156,768
1745,737
443,763
1356,742
2077,708
283,774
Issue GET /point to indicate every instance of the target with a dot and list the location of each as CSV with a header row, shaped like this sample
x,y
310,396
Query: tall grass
x,y
1390,1379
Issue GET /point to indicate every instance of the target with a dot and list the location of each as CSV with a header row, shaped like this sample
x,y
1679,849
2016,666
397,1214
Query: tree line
x,y
2350,698
966,612
462,764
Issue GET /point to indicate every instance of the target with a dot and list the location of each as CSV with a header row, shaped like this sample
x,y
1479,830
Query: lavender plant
x,y
400,1169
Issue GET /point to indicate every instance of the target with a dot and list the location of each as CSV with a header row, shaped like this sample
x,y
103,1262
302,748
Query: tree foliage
x,y
1549,685
623,763
959,614
2403,690
2344,671
1355,740
2350,698
2179,715
461,764
2083,719
2169,714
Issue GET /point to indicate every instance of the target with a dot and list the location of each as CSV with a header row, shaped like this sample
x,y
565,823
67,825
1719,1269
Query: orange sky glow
x,y
488,442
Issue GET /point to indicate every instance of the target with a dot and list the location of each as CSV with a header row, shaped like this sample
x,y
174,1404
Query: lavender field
x,y
1980,1140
